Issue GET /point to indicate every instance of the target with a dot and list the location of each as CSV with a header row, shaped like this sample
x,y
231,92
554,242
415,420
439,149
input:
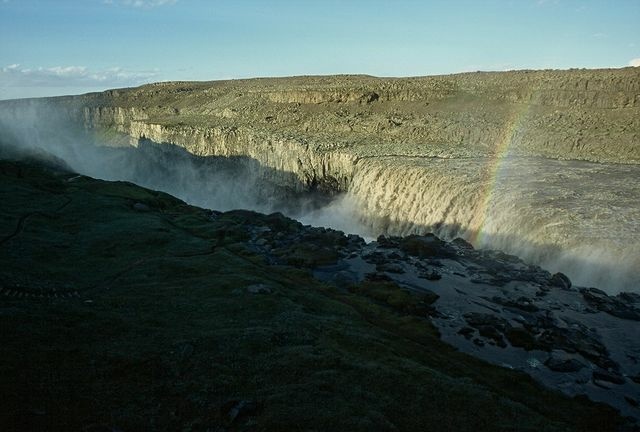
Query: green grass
x,y
163,333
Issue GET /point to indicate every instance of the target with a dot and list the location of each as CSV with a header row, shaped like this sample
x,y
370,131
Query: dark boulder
x,y
426,246
615,306
563,364
607,376
560,280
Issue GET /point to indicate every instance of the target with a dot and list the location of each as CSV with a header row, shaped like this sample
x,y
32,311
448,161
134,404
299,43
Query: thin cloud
x,y
635,62
143,4
67,76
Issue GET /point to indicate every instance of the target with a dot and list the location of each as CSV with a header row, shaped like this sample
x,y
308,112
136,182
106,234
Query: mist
x,y
36,129
580,248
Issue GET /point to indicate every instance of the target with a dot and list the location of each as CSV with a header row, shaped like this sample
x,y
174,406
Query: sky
x,y
54,47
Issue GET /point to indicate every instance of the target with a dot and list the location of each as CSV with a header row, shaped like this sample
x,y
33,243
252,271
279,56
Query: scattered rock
x,y
599,300
559,362
489,326
521,303
375,258
426,246
462,244
259,289
560,280
631,401
431,275
607,376
390,268
388,242
467,332
520,337
479,342
369,97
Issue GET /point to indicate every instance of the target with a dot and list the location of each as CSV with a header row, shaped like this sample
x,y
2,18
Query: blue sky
x,y
50,47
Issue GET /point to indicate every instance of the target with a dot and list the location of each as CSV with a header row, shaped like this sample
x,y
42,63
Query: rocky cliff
x,y
578,114
486,156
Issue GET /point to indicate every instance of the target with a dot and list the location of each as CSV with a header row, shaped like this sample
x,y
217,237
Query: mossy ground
x,y
164,335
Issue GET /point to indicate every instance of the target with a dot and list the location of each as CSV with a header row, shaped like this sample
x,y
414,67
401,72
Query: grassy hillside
x,y
125,309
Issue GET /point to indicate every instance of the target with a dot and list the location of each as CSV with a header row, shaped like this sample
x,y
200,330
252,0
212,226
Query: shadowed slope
x,y
126,308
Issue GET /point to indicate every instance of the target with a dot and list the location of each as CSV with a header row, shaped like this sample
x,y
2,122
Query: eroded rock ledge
x,y
318,127
577,114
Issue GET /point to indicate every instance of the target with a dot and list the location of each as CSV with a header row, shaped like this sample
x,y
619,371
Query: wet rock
x,y
426,246
428,297
520,337
395,256
611,377
462,244
375,258
467,332
631,401
388,242
560,280
390,268
521,303
489,326
493,278
477,319
479,342
377,277
563,363
600,301
629,298
431,275
575,340
542,292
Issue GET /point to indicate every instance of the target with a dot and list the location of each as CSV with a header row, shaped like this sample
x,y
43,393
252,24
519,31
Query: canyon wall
x,y
503,159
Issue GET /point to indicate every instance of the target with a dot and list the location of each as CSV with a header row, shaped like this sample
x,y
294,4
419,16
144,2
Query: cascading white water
x,y
576,217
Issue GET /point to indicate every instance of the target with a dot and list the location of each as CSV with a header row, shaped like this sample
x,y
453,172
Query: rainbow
x,y
495,167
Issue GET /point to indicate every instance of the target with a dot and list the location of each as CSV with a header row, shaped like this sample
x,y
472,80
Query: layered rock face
x,y
579,114
491,157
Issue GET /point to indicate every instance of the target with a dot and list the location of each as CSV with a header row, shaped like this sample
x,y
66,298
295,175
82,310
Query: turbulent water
x,y
580,218
576,217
